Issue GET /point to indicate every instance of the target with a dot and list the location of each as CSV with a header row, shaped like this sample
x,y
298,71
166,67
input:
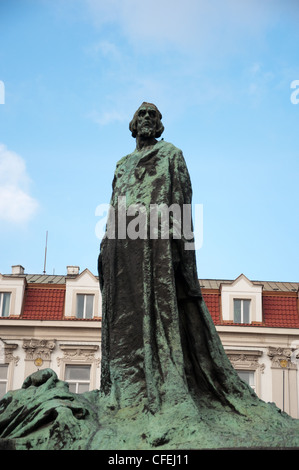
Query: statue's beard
x,y
147,131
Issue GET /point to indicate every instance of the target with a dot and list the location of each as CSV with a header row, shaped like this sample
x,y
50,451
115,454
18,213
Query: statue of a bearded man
x,y
166,381
159,342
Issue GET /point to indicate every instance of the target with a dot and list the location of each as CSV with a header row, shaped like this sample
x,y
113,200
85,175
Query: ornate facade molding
x,y
246,360
7,353
281,358
79,353
38,348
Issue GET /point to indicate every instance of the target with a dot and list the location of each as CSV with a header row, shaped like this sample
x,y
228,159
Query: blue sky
x,y
220,71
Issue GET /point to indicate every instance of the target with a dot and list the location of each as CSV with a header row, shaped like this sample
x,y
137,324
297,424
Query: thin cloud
x,y
107,117
16,204
104,49
198,26
169,49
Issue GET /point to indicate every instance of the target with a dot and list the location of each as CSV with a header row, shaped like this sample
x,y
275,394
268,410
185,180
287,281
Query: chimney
x,y
72,270
17,270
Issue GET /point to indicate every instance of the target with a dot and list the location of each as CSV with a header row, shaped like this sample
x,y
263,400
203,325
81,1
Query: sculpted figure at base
x,y
166,381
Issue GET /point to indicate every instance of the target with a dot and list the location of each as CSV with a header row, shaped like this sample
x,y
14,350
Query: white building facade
x,y
55,321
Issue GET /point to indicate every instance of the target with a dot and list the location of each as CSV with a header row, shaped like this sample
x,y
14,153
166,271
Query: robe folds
x,y
159,342
166,382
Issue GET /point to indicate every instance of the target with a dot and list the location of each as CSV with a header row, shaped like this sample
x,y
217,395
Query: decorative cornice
x,y
8,353
246,360
281,358
38,348
81,353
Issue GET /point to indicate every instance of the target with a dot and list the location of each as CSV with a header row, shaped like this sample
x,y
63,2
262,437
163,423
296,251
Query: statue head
x,y
147,121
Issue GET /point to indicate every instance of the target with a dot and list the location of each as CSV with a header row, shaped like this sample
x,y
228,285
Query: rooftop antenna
x,y
46,252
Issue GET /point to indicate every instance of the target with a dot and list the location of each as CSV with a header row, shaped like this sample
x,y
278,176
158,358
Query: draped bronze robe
x,y
159,342
166,380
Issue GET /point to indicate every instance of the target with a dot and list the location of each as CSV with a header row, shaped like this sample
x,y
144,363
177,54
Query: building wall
x,y
267,354
30,346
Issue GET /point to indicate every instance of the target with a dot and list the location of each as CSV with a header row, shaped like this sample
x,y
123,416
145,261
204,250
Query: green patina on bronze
x,y
166,381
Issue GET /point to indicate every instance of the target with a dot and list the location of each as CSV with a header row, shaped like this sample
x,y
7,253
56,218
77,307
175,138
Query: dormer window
x,y
85,305
82,296
5,303
241,311
241,301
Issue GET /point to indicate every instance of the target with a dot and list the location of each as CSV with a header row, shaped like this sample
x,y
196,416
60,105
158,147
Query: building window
x,y
4,303
241,311
78,378
85,305
248,377
3,379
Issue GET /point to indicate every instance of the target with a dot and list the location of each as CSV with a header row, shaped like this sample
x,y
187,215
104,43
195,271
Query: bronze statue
x,y
159,341
166,381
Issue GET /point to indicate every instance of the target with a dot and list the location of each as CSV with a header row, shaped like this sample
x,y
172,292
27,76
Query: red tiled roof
x,y
280,311
212,301
44,304
280,307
